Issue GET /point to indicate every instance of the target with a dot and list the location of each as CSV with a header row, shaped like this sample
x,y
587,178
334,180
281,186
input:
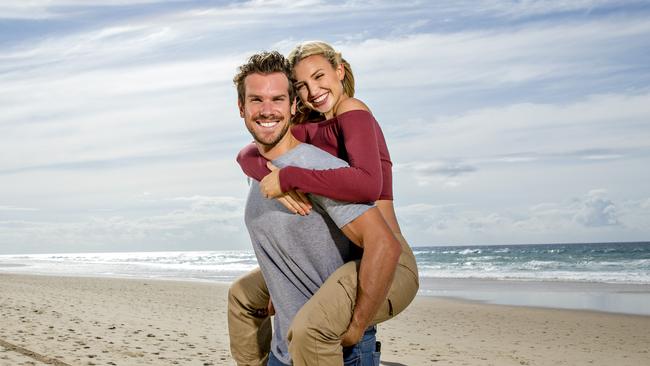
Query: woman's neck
x,y
334,111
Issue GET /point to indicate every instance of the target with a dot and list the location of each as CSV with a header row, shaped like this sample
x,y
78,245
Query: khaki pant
x,y
315,333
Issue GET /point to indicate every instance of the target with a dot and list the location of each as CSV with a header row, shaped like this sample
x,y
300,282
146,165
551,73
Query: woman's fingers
x,y
291,204
295,202
302,200
271,166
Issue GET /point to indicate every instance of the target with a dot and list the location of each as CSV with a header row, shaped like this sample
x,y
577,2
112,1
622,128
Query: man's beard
x,y
272,142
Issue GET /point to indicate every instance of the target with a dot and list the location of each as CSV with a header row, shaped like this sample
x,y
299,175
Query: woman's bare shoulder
x,y
352,104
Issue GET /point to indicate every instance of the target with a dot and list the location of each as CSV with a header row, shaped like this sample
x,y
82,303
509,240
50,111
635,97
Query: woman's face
x,y
319,84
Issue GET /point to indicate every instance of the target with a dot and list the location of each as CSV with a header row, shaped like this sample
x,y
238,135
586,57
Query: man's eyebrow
x,y
279,96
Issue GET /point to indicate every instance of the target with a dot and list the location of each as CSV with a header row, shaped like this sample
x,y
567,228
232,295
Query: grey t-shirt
x,y
298,253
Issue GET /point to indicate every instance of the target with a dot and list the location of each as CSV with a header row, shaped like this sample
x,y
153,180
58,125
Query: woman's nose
x,y
311,89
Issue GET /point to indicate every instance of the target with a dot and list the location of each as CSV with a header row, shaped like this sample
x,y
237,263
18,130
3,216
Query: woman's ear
x,y
340,71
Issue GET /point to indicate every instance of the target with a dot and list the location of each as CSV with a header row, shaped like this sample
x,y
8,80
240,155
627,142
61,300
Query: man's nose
x,y
267,108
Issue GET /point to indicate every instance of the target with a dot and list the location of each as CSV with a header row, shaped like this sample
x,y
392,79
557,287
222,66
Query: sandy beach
x,y
50,320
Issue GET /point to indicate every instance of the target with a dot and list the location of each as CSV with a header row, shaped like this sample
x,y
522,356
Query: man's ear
x,y
293,107
241,108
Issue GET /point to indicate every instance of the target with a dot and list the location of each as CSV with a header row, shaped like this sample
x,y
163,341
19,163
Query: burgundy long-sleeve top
x,y
354,136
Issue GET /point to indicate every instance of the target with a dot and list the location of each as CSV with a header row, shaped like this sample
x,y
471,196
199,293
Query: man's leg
x,y
363,353
315,333
249,326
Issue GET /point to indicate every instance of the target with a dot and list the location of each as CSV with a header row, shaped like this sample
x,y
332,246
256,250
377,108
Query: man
x,y
298,254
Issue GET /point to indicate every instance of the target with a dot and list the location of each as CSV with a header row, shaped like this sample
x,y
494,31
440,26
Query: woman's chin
x,y
323,109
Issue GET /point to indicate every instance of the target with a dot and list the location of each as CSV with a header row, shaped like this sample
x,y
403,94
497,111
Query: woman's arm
x,y
254,165
252,162
363,180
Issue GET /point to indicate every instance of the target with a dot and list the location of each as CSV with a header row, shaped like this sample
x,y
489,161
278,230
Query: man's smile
x,y
268,121
268,124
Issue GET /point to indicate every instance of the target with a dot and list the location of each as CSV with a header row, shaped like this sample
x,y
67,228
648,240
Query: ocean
x,y
594,276
592,262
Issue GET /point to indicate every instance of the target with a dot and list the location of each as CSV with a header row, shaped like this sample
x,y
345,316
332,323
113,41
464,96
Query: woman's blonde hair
x,y
312,48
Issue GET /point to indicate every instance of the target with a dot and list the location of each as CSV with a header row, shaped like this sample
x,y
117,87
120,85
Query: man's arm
x,y
381,253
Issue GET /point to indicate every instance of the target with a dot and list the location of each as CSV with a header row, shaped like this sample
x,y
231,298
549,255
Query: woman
x,y
325,85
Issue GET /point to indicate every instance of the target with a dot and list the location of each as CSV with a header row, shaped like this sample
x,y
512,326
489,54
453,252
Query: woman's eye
x,y
318,76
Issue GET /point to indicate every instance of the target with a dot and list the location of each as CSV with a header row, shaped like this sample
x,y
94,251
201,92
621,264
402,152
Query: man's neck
x,y
285,145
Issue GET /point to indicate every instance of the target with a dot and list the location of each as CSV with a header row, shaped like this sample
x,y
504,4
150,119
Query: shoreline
x,y
99,321
607,297
615,298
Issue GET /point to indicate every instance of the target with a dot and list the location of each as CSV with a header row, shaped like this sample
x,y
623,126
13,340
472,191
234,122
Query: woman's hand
x,y
294,201
270,185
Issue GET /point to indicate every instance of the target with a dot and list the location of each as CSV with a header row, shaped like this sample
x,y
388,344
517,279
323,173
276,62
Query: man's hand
x,y
265,313
270,310
352,336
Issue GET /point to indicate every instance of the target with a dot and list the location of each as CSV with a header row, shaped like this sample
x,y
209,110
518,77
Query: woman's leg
x,y
405,284
249,325
315,333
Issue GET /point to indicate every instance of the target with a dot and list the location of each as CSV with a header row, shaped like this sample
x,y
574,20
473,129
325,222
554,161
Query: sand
x,y
98,321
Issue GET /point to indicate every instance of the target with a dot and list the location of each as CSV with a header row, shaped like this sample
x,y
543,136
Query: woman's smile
x,y
319,100
319,84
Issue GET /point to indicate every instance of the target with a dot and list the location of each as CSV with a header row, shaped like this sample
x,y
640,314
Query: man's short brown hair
x,y
263,63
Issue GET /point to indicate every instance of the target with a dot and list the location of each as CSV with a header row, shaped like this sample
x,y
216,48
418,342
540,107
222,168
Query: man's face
x,y
267,108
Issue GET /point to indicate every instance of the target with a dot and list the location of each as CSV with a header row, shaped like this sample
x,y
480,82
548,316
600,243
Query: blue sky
x,y
507,121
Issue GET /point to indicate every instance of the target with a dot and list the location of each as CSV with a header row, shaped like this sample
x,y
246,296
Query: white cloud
x,y
201,222
45,9
645,204
596,210
524,133
12,208
449,173
483,118
495,58
635,214
533,7
582,219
